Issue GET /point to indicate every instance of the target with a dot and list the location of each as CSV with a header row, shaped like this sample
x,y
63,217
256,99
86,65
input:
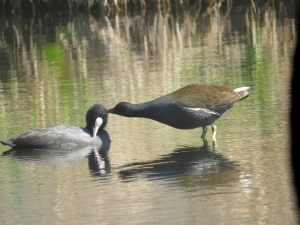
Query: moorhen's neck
x,y
137,110
146,109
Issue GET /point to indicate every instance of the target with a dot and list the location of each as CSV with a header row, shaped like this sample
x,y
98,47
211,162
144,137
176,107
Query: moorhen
x,y
195,105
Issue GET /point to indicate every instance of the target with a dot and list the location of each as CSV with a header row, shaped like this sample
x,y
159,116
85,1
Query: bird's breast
x,y
177,116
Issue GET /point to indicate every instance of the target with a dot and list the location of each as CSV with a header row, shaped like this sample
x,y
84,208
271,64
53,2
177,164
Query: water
x,y
54,67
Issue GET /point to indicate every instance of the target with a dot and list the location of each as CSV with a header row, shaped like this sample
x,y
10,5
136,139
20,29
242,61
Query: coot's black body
x,y
67,137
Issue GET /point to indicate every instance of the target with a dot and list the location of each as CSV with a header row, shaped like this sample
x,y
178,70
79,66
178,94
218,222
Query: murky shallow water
x,y
153,174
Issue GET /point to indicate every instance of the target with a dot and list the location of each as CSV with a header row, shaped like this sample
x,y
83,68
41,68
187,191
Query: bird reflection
x,y
54,155
99,163
193,165
98,160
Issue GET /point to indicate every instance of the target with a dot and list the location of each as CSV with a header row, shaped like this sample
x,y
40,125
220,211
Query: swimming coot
x,y
67,137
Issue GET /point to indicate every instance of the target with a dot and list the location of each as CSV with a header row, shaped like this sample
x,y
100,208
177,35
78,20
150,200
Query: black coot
x,y
67,137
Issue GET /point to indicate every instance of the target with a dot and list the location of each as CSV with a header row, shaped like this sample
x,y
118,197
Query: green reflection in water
x,y
117,58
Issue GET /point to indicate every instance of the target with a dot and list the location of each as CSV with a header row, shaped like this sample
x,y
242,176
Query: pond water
x,y
53,67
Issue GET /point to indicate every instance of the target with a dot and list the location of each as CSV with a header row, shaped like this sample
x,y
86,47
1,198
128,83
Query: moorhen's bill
x,y
67,137
195,105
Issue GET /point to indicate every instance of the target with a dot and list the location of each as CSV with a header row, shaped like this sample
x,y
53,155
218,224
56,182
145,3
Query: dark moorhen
x,y
195,105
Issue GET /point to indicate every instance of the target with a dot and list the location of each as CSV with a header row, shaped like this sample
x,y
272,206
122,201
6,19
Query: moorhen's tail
x,y
242,91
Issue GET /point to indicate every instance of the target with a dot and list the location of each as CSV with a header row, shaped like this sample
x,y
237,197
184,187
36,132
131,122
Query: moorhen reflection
x,y
67,137
200,163
193,106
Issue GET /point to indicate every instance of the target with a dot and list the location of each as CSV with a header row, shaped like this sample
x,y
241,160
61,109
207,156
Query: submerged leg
x,y
204,132
214,129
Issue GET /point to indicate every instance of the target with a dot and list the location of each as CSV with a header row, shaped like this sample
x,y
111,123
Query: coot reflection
x,y
67,137
99,163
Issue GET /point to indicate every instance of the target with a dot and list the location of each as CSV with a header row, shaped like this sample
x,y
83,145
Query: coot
x,y
67,137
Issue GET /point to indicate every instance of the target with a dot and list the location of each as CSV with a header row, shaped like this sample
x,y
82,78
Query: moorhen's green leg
x,y
214,130
204,133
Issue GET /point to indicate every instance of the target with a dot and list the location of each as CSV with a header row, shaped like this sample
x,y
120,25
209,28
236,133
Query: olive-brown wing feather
x,y
214,98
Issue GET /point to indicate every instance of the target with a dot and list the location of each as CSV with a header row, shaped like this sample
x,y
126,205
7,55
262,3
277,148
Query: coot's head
x,y
96,118
122,108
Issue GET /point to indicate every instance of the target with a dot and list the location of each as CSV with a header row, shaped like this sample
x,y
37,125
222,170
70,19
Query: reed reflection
x,y
70,61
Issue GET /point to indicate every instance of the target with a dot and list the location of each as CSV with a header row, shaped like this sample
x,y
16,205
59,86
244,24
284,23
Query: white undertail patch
x,y
244,88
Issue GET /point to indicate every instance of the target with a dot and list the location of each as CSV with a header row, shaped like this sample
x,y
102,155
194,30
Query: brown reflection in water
x,y
52,73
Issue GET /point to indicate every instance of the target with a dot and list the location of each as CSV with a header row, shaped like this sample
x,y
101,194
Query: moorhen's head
x,y
96,118
122,108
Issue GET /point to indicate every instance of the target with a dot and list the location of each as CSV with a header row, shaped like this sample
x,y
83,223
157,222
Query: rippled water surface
x,y
54,67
